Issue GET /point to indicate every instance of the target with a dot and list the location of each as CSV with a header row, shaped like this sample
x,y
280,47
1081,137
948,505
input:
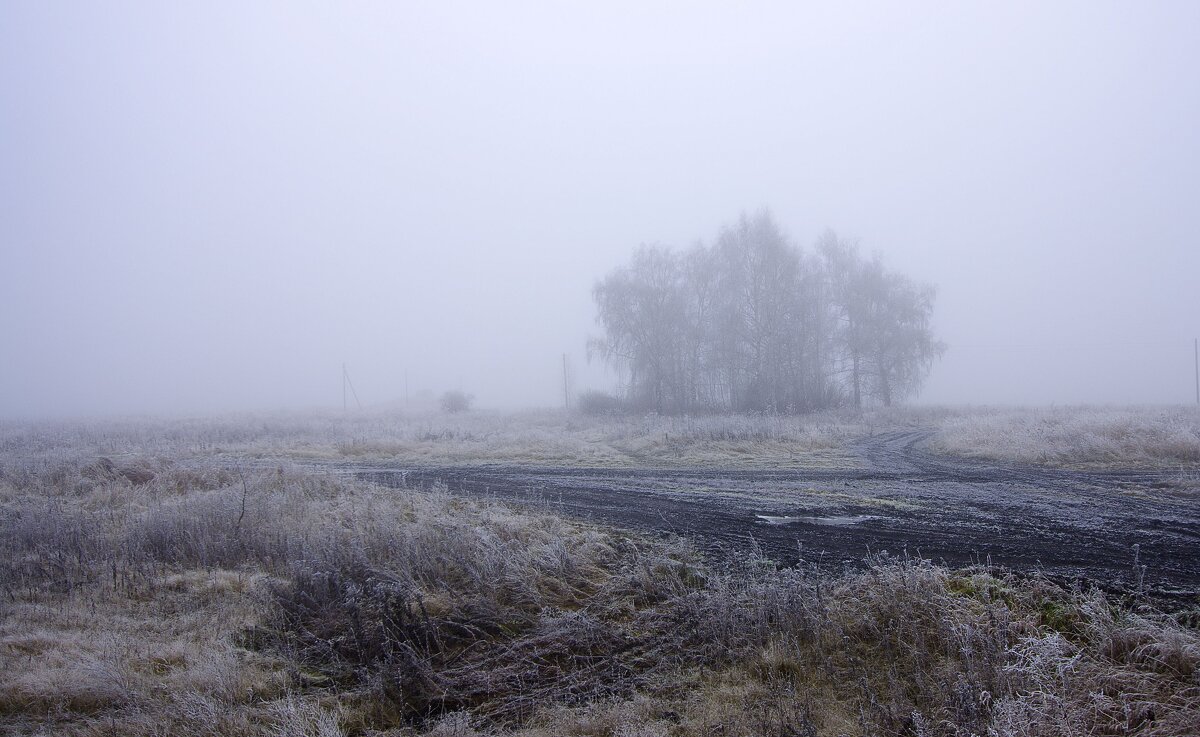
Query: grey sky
x,y
211,206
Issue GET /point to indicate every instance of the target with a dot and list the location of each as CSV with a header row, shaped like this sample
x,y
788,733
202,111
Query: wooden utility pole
x,y
566,386
1196,352
346,382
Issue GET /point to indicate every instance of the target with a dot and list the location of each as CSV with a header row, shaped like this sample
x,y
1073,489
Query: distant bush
x,y
600,403
456,401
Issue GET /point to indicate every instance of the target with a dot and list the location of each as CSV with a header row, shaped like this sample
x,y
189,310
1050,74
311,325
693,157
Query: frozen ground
x,y
1123,529
1067,437
214,576
1070,491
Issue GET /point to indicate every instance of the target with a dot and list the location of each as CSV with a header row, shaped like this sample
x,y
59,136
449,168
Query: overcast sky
x,y
211,206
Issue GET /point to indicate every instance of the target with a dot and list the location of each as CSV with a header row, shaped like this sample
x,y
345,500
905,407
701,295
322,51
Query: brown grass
x,y
141,598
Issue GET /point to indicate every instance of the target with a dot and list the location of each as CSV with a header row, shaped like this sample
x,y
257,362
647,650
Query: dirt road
x,y
1119,529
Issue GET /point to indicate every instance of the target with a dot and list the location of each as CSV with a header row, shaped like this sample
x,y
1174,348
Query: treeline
x,y
753,323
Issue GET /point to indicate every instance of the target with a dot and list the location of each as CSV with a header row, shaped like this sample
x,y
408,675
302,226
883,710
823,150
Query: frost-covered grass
x,y
140,598
534,437
1163,437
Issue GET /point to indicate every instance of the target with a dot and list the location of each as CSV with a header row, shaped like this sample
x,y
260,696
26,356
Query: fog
x,y
213,207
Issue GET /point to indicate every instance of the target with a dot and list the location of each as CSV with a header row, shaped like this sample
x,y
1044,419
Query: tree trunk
x,y
857,384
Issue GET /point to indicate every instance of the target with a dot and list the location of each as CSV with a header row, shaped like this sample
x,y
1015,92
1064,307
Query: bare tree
x,y
883,324
899,341
753,324
643,310
848,304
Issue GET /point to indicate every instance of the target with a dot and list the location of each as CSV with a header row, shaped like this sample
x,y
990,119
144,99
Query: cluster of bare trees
x,y
752,323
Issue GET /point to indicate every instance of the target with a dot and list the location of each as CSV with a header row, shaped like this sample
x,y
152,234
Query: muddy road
x,y
1120,529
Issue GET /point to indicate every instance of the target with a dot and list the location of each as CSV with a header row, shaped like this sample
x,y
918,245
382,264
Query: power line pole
x,y
1196,351
346,382
566,386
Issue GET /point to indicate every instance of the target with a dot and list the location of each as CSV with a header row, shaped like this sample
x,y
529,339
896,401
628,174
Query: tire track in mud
x,y
903,499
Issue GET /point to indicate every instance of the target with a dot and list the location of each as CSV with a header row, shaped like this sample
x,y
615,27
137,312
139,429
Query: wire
x,y
346,375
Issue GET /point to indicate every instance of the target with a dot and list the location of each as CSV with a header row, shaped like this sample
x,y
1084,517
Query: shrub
x,y
456,401
599,403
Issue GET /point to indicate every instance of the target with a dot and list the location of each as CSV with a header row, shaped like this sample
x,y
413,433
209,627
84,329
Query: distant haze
x,y
212,206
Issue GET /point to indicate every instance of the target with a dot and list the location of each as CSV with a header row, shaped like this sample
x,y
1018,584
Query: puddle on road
x,y
831,521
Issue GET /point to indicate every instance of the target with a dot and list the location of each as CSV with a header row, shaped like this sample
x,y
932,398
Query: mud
x,y
1125,530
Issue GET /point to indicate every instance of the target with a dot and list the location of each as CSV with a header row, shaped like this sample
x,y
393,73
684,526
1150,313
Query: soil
x,y
1129,531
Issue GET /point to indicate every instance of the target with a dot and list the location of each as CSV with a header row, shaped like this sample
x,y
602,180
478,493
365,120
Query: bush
x,y
456,401
600,403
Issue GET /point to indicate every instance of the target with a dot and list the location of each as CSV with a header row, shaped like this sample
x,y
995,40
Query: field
x,y
1091,437
1074,437
540,574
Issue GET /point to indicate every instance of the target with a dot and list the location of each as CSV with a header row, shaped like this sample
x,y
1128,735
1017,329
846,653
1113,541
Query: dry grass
x,y
537,438
141,596
1122,437
1085,436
